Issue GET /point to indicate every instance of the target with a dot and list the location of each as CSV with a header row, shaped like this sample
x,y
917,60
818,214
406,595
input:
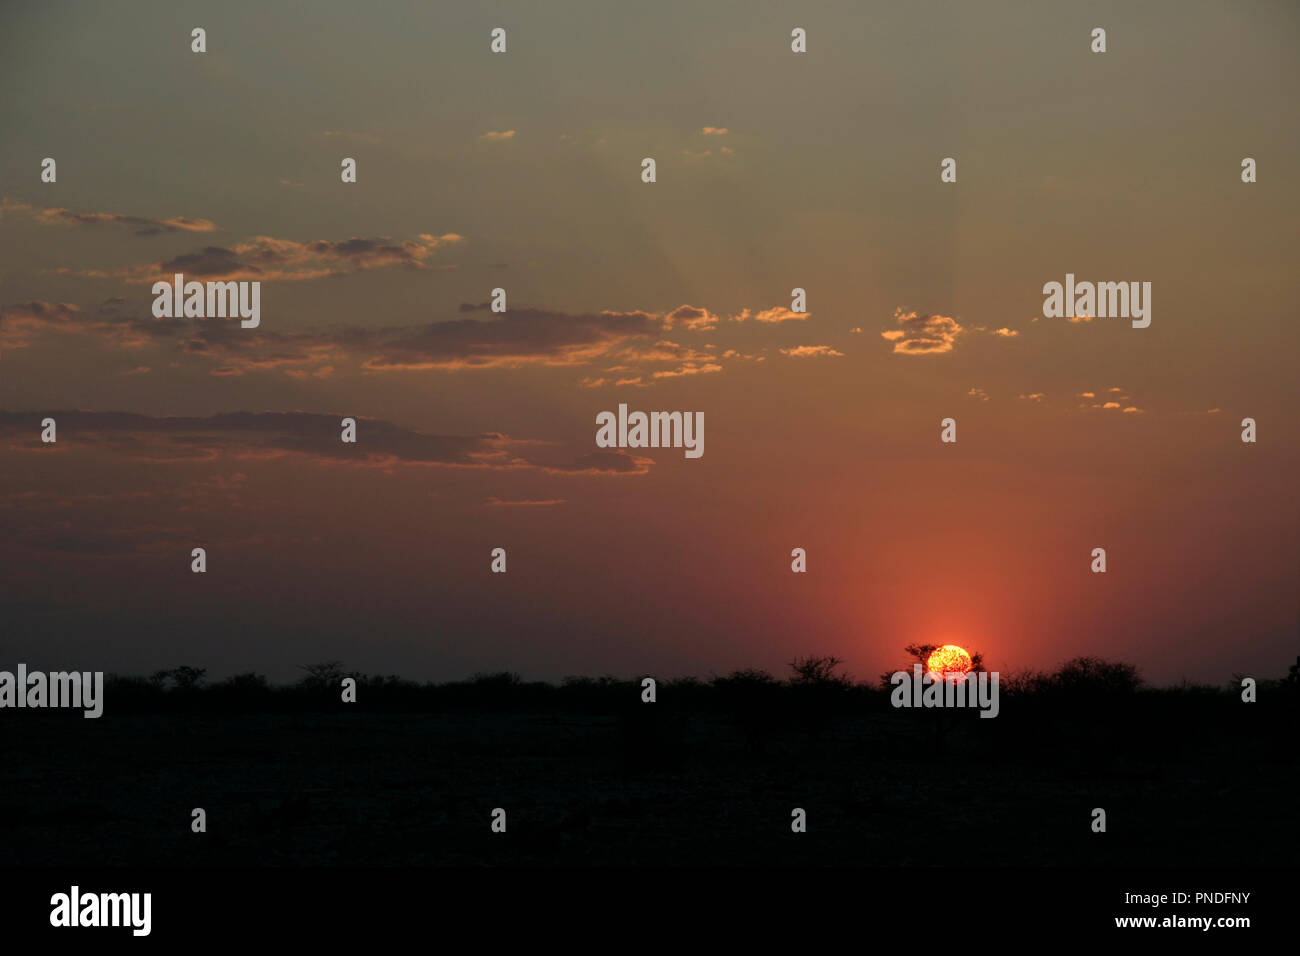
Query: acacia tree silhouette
x,y
942,724
321,676
818,671
817,691
183,678
922,653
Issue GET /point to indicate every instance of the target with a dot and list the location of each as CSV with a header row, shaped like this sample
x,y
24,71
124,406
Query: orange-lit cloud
x,y
522,336
23,323
630,343
777,314
810,351
922,334
139,225
602,463
1117,403
689,368
665,351
691,317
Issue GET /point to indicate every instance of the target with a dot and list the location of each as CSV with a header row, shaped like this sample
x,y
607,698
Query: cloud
x,y
1034,397
139,225
269,258
922,334
243,350
496,137
21,324
689,368
1110,405
520,337
715,131
604,462
15,320
778,314
978,394
325,371
1005,333
257,435
238,350
632,343
665,351
810,351
314,436
691,317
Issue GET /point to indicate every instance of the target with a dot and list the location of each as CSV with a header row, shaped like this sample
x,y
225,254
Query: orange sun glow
x,y
949,659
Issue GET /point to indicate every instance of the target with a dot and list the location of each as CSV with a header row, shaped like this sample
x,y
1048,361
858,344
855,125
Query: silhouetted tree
x,y
921,654
817,671
817,692
321,676
1095,677
183,678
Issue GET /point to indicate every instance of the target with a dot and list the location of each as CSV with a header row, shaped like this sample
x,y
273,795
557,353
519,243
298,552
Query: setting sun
x,y
949,659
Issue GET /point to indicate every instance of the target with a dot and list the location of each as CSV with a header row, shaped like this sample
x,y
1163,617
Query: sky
x,y
476,430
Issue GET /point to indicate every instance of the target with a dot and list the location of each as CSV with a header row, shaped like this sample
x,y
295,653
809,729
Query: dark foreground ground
x,y
649,786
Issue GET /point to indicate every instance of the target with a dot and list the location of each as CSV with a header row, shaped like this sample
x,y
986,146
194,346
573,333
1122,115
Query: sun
x,y
949,659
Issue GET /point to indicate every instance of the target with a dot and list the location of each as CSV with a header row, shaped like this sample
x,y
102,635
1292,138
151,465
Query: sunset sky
x,y
522,170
